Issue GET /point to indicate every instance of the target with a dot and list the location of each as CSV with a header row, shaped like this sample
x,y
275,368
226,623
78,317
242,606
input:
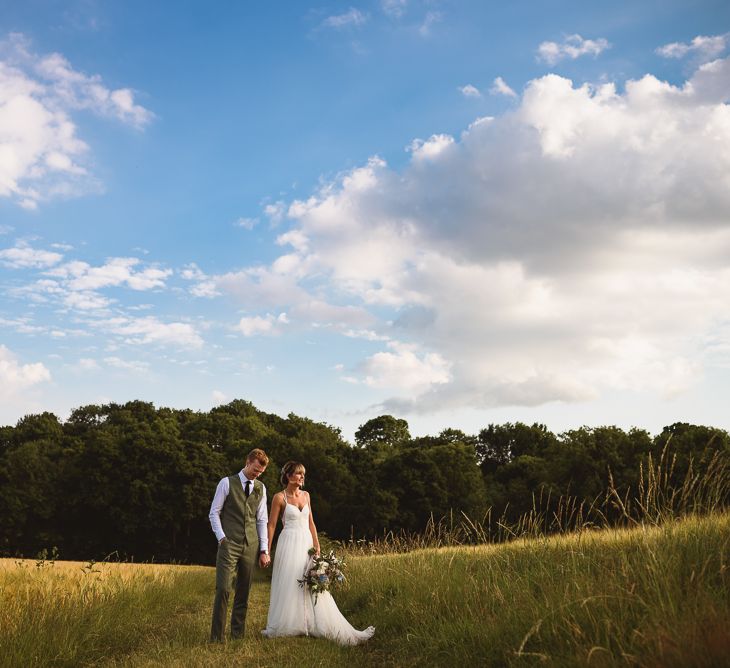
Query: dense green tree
x,y
382,435
499,444
29,497
138,480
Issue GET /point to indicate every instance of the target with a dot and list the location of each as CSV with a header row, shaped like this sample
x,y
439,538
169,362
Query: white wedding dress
x,y
292,611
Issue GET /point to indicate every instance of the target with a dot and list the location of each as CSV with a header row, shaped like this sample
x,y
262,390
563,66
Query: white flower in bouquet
x,y
323,572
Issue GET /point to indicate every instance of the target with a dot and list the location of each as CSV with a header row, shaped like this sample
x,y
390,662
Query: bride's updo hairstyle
x,y
290,468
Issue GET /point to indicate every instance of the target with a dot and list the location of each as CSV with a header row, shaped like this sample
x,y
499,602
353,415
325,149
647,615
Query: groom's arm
x,y
221,492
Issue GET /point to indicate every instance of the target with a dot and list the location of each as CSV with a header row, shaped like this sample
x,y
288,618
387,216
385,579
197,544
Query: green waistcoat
x,y
238,516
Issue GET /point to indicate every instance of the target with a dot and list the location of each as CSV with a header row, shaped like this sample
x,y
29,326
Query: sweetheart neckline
x,y
293,505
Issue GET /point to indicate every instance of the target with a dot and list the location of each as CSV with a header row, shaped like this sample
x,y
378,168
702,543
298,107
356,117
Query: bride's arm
x,y
276,505
312,527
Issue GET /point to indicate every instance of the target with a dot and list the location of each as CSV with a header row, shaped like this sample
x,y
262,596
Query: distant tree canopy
x,y
138,480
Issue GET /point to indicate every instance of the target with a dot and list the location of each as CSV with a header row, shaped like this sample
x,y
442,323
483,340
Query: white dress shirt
x,y
262,516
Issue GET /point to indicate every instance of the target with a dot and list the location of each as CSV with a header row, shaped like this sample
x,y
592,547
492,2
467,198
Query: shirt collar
x,y
243,478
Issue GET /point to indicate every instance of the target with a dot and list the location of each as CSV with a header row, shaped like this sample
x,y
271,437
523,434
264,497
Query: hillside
x,y
646,597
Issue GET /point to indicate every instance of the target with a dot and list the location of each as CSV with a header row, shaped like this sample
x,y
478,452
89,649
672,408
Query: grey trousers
x,y
239,560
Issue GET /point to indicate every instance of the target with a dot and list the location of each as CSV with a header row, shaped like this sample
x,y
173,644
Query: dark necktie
x,y
248,488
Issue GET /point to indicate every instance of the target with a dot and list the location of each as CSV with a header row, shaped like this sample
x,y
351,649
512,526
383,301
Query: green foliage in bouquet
x,y
324,572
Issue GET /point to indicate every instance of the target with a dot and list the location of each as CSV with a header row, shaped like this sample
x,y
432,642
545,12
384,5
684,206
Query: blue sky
x,y
456,212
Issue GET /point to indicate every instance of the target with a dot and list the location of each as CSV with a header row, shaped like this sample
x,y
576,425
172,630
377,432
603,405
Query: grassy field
x,y
658,596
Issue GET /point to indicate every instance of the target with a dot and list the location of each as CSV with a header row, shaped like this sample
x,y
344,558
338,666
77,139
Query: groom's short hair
x,y
259,455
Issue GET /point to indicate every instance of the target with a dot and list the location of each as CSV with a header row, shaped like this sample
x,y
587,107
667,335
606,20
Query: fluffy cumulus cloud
x,y
573,46
16,377
401,368
576,245
23,256
706,47
41,154
266,326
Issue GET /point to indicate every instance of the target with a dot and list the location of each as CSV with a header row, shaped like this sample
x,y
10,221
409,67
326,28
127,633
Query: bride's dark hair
x,y
290,468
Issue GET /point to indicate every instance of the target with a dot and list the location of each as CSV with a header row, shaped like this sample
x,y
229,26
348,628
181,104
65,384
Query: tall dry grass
x,y
70,613
656,499
642,596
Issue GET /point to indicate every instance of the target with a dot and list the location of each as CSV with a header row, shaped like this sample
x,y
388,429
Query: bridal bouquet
x,y
323,572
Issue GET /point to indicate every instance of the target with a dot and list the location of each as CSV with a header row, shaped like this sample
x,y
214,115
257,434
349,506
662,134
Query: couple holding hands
x,y
244,529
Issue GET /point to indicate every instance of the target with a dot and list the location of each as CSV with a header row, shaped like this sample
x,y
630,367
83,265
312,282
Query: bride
x,y
292,611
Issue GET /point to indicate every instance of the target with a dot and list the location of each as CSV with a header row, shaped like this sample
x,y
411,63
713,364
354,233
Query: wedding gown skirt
x,y
292,611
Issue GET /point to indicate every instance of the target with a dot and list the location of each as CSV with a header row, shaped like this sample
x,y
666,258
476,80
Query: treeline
x,y
137,481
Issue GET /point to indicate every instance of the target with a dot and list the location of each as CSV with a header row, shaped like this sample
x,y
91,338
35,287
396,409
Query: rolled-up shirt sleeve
x,y
262,521
221,492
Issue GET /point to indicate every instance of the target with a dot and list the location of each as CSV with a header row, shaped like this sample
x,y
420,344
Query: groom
x,y
239,518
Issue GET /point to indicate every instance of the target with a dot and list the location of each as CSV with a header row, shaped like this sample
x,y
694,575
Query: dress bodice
x,y
294,518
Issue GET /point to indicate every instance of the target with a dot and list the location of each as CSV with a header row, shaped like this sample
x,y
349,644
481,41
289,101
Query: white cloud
x,y
320,313
576,245
500,87
469,91
431,148
275,213
247,223
23,256
293,238
133,366
277,287
260,287
572,47
431,19
352,17
117,271
41,156
192,272
149,330
16,377
204,287
262,326
86,300
706,47
88,364
81,91
394,8
22,325
218,398
402,369
75,284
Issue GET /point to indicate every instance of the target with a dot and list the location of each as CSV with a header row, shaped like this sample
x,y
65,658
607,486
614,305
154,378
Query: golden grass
x,y
71,613
646,596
